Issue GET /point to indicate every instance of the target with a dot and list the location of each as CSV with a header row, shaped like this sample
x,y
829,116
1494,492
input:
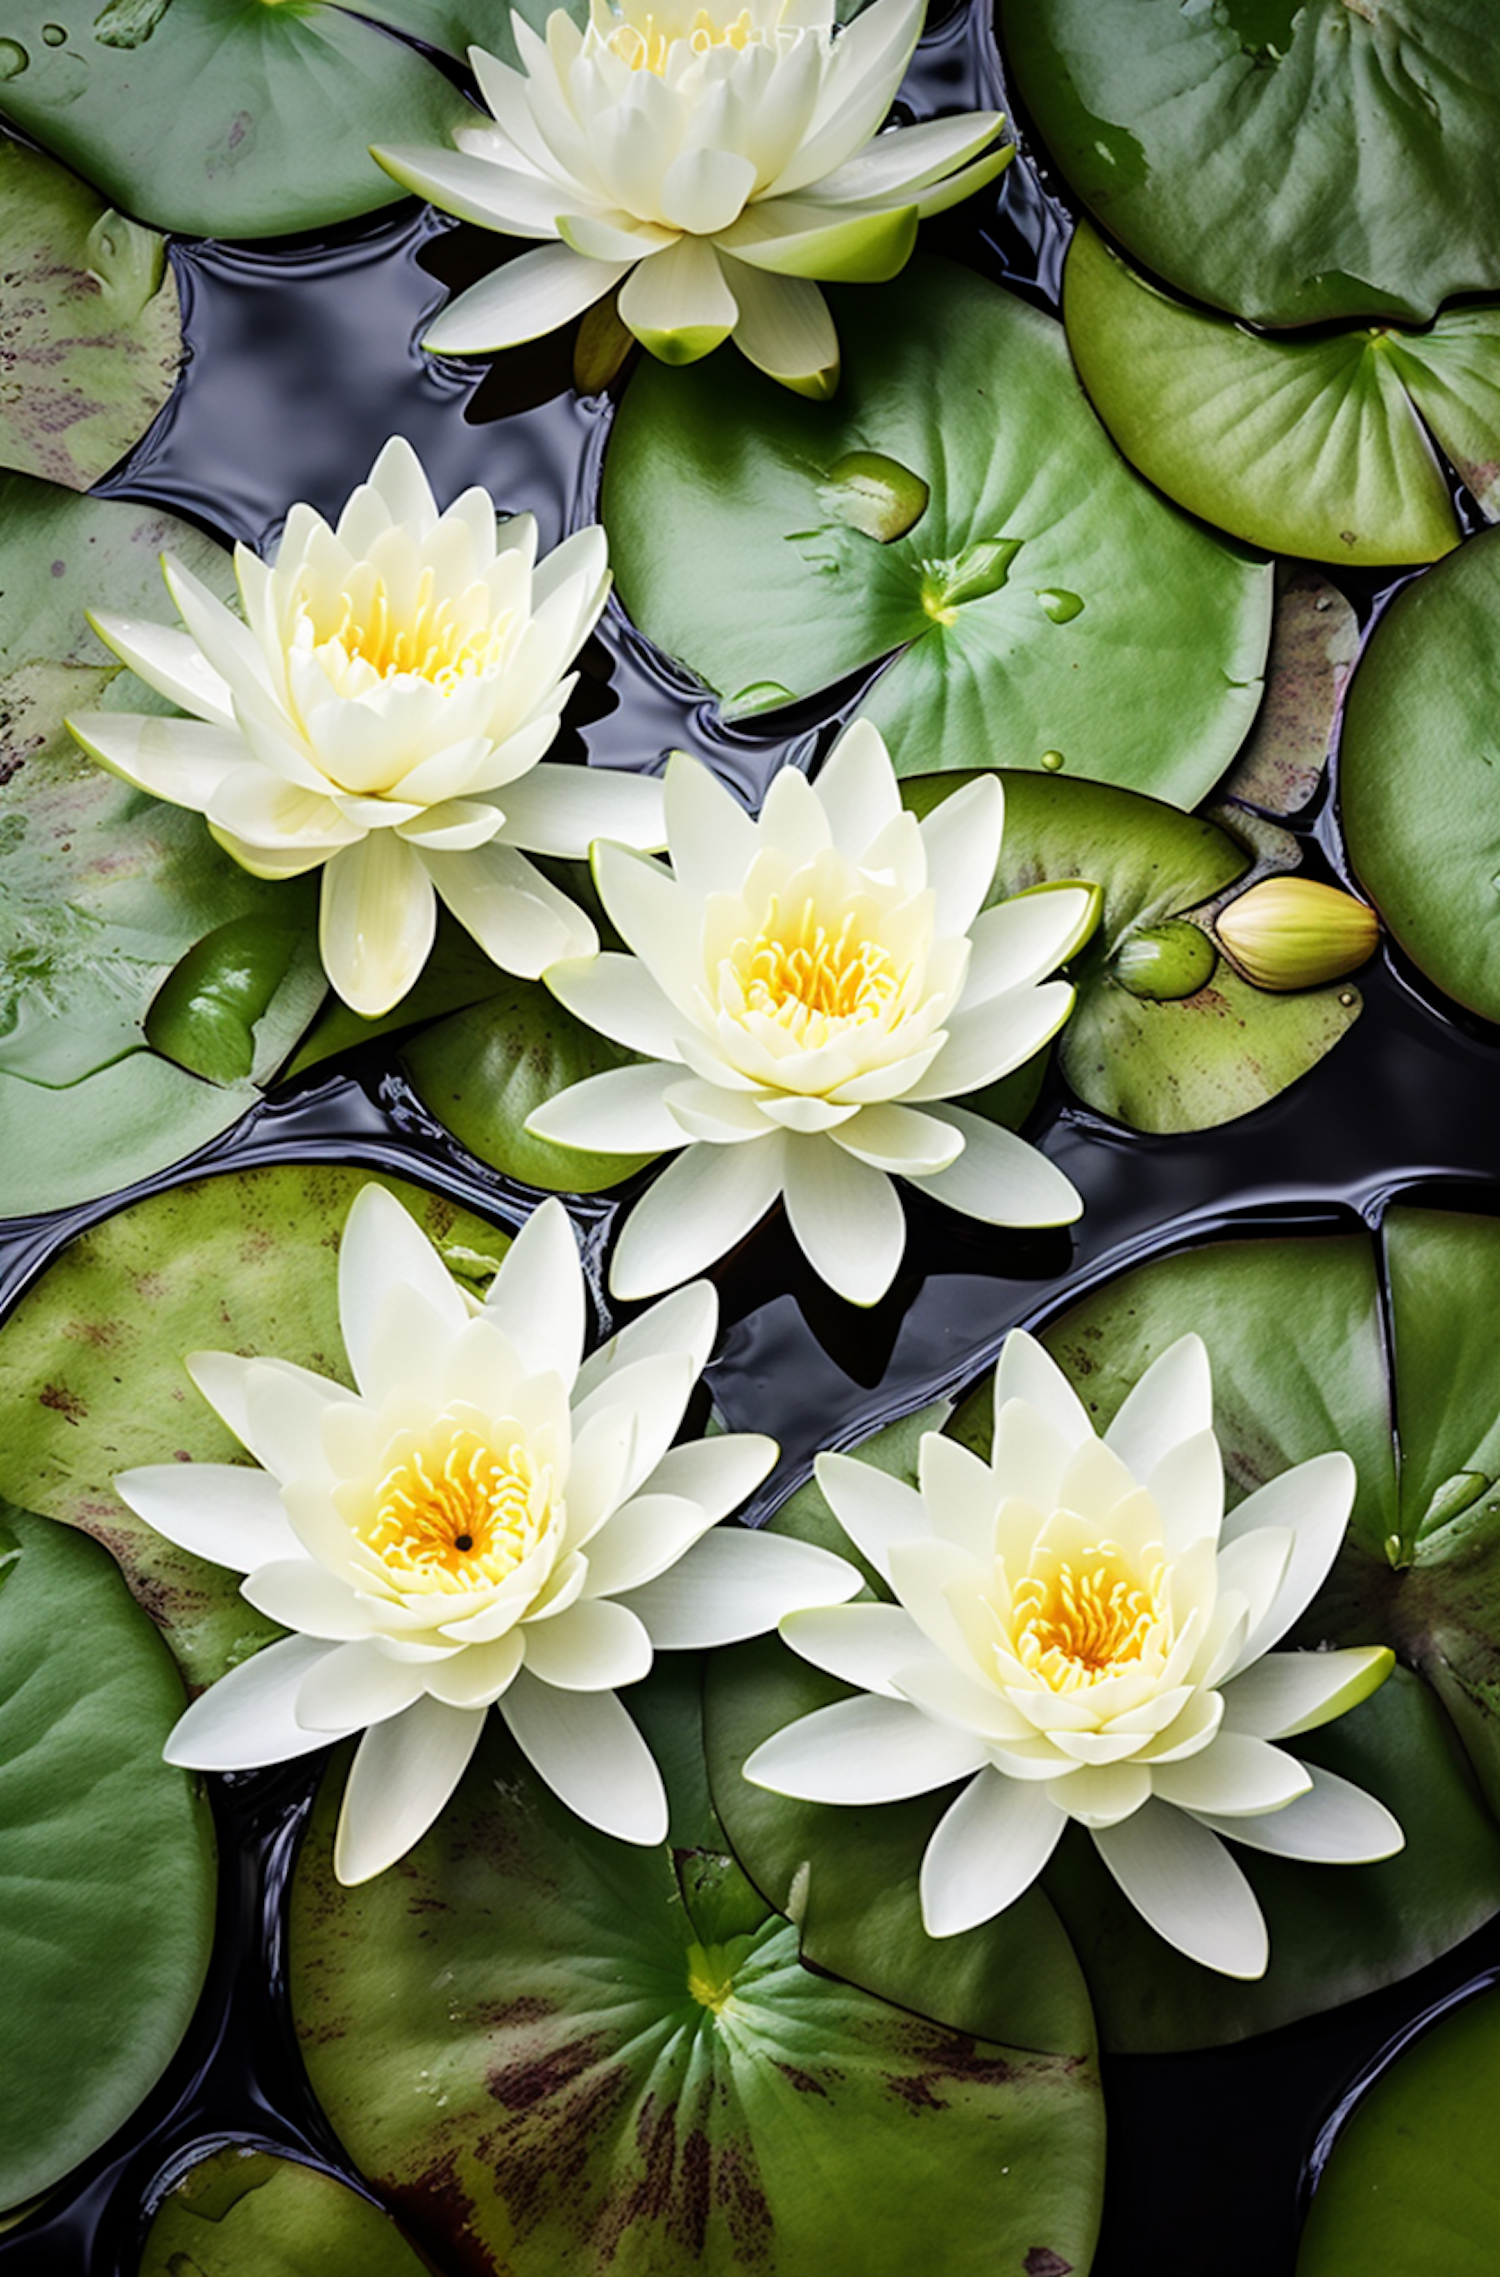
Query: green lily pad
x,y
559,2051
1304,446
1044,602
223,118
103,890
1164,1035
106,1857
91,1371
1293,1328
1287,160
90,336
1314,641
246,2213
1419,773
1410,2184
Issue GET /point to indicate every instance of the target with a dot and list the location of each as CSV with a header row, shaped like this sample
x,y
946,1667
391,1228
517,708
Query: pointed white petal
x,y
865,1750
1237,1777
847,1218
247,1718
554,809
698,1209
595,1646
225,1512
403,1773
713,839
1334,1824
384,1248
537,1297
305,1596
526,298
590,1753
1183,1880
619,997
357,1684
860,1644
1289,1692
623,1111
377,922
999,1178
784,329
962,840
677,303
1028,1371
960,1493
875,1510
986,1849
1171,1402
518,917
1314,1500
735,1584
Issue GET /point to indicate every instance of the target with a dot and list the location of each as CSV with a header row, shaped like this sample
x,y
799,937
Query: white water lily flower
x,y
380,714
812,987
490,1519
1082,1634
712,167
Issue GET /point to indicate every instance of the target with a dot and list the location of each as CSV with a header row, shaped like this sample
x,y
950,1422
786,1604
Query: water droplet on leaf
x,y
1160,964
53,34
875,495
1061,606
1054,762
13,59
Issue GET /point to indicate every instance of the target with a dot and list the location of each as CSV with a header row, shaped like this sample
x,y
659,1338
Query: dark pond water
x,y
303,361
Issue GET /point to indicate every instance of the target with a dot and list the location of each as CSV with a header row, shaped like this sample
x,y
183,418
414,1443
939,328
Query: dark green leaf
x,y
1288,160
1043,602
244,2213
106,1858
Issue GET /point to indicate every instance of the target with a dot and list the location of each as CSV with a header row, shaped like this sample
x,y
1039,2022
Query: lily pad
x,y
222,118
106,1857
1293,1329
1287,160
1164,1035
246,2213
1410,2184
90,336
103,890
91,1372
1314,641
1419,773
1304,446
1044,608
559,2051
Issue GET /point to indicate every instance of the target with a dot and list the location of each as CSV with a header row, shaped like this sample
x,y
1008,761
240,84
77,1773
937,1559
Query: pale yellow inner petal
x,y
455,1512
1076,1621
814,980
445,639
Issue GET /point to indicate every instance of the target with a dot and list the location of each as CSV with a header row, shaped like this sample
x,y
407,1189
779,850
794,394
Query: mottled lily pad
x,y
246,2213
1164,1035
102,889
1314,641
91,1373
1287,160
1294,1331
1410,2184
1305,446
1045,607
106,1857
1419,773
559,2051
224,118
90,337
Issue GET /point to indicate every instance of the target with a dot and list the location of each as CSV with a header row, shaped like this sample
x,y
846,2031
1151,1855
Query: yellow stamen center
x,y
1076,1624
647,44
453,1513
446,641
811,979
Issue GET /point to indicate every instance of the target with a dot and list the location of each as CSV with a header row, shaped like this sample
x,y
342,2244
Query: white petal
x,y
999,1178
718,1474
225,1512
961,836
857,789
986,1041
860,1644
1028,1371
357,1684
619,997
865,1750
641,1539
713,839
479,190
537,1297
1334,1824
224,1380
1183,1880
1237,1777
526,298
518,917
476,1677
1314,1499
403,1773
377,922
687,1322
698,1209
247,1718
307,1597
986,1849
875,1510
653,1390
677,303
703,190
961,1494
735,1584
846,1216
184,761
1171,1402
562,810
589,1752
594,1646
169,661
1289,1692
622,1111
900,1140
1030,1449
1187,1487
784,328
383,1248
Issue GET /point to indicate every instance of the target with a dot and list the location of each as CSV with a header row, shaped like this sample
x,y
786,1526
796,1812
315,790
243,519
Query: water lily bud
x,y
1294,933
1163,963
